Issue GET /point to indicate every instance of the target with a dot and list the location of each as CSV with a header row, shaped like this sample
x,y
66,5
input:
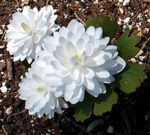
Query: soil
x,y
131,116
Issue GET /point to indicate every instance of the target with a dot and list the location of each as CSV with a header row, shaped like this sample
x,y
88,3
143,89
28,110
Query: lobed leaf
x,y
105,102
129,80
126,45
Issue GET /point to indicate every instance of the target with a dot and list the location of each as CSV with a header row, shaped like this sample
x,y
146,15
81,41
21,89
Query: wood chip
x,y
9,69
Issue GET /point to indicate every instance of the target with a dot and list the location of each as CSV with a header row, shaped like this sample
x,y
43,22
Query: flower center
x,y
78,58
42,89
77,61
26,27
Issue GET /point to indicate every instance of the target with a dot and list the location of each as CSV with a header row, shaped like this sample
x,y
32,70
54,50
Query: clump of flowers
x,y
27,30
68,62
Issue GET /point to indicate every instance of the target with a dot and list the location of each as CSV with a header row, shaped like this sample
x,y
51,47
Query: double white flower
x,y
41,91
28,29
82,59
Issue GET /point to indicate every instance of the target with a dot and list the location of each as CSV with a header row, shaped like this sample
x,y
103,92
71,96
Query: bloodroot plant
x,y
72,64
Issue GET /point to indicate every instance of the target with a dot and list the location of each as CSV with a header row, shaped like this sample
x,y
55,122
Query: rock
x,y
3,88
9,110
126,2
110,130
127,20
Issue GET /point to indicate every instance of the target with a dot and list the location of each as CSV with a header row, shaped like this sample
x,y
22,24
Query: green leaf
x,y
129,80
109,26
126,45
93,21
105,102
83,110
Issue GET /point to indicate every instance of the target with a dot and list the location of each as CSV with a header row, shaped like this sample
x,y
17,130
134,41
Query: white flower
x,y
39,91
27,30
82,60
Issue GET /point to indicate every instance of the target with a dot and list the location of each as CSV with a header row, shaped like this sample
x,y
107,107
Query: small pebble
x,y
141,58
133,60
126,2
110,130
126,20
120,1
9,110
141,63
121,10
3,88
2,46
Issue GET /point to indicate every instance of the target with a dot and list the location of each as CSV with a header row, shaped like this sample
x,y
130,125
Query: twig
x,y
143,46
79,18
4,130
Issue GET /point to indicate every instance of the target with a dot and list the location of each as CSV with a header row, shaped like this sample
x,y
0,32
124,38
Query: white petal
x,y
96,89
80,44
63,32
74,25
88,73
98,33
104,41
89,84
90,31
103,73
69,91
119,67
71,49
78,95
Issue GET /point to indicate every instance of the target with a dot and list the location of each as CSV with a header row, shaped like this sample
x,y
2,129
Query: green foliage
x,y
129,80
109,26
105,102
93,21
83,110
126,45
101,105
